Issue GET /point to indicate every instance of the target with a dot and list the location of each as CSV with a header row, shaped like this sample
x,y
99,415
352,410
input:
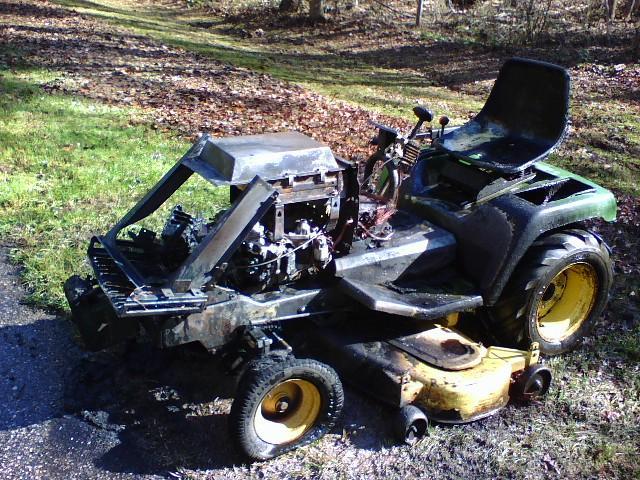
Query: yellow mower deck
x,y
452,378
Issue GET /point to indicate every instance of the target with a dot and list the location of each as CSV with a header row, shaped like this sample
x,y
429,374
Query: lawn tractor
x,y
323,270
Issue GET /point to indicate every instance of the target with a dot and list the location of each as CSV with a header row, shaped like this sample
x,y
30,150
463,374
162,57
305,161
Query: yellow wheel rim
x,y
567,302
287,411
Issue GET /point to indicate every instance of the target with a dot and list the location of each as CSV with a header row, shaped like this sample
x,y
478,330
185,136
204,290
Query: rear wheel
x,y
556,294
284,405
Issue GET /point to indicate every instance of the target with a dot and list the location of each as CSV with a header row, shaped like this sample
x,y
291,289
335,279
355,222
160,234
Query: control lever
x,y
424,115
444,121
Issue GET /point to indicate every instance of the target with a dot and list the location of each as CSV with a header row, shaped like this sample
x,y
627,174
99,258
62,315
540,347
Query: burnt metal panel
x,y
236,160
416,248
399,378
493,237
424,305
216,325
111,266
349,208
127,294
371,365
228,233
443,348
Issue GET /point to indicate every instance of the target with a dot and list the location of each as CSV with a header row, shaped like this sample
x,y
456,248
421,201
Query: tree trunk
x,y
316,9
611,6
633,5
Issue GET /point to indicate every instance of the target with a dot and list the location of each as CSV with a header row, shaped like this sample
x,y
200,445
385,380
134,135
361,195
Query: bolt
x,y
282,405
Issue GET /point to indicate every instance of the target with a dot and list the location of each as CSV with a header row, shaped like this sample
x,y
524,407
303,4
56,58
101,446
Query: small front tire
x,y
284,405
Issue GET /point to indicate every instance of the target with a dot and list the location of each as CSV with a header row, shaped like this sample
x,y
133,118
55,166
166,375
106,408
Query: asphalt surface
x,y
69,414
38,439
136,412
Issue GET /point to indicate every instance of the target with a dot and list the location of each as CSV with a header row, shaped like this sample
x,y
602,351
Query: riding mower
x,y
322,269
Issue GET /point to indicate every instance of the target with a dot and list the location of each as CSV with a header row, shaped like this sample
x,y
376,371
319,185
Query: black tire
x,y
410,425
532,384
372,182
556,294
284,405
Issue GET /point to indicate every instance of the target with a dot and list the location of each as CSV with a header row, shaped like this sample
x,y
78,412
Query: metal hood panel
x,y
237,160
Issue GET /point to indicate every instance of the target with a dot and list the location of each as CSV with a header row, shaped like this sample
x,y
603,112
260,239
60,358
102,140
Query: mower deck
x,y
453,379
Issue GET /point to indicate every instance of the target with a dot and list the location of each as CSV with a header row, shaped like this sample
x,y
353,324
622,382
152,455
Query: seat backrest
x,y
530,98
524,119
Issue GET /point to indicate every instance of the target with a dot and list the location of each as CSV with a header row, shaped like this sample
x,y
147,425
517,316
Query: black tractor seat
x,y
523,121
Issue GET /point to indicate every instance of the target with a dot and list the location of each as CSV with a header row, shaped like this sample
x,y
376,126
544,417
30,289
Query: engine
x,y
181,233
262,261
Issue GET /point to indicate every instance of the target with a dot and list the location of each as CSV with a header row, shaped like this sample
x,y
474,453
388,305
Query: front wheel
x,y
557,293
284,405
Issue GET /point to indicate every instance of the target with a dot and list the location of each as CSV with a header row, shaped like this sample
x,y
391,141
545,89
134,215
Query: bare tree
x,y
633,5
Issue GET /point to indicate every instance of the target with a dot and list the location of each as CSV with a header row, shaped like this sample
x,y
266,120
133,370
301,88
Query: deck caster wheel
x,y
533,383
284,405
410,425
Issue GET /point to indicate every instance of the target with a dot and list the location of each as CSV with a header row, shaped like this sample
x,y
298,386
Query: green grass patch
x,y
70,169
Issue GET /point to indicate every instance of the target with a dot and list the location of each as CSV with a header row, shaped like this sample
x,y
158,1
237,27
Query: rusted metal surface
x,y
442,348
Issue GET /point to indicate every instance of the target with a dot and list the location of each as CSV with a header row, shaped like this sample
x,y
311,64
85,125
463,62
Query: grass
x,y
69,169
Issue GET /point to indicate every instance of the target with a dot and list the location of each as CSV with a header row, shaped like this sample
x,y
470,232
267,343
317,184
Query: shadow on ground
x,y
162,409
168,408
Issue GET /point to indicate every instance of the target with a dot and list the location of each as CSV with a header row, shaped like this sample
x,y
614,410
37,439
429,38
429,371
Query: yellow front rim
x,y
287,411
567,302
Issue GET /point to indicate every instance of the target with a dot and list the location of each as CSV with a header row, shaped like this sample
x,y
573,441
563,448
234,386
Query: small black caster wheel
x,y
532,384
410,425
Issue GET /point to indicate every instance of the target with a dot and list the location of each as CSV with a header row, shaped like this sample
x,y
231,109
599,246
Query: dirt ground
x,y
68,414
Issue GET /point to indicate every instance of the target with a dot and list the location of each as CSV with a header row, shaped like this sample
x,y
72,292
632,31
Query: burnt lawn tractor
x,y
316,272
